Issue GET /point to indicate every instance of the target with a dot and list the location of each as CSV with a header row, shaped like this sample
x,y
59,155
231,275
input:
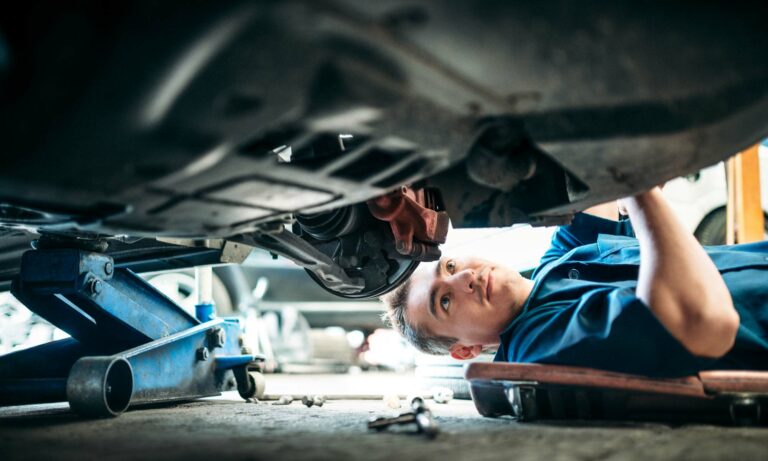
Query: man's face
x,y
470,299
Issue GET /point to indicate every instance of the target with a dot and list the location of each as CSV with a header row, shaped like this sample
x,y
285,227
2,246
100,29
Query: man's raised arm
x,y
678,280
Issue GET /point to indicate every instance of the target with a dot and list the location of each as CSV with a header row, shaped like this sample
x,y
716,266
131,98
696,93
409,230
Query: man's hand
x,y
678,280
611,210
621,204
606,210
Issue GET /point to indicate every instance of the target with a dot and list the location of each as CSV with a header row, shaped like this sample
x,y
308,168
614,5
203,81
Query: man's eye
x,y
445,302
450,266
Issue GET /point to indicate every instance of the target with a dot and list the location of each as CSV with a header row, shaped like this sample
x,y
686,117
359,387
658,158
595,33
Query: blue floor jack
x,y
130,345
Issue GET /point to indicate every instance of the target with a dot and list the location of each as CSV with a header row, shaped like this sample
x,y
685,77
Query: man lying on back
x,y
639,296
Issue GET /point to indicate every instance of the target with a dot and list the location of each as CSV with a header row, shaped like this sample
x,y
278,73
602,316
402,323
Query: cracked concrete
x,y
228,428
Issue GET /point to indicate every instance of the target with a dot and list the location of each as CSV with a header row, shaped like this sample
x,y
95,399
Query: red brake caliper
x,y
417,224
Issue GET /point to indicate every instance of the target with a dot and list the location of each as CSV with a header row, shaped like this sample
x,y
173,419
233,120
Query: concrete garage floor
x,y
227,428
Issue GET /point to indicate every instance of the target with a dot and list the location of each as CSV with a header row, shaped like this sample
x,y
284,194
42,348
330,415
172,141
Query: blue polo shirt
x,y
583,310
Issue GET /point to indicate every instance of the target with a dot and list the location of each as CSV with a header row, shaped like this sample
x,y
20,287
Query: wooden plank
x,y
745,220
731,178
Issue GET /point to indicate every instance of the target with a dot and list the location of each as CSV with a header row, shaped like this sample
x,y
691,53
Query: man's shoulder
x,y
584,230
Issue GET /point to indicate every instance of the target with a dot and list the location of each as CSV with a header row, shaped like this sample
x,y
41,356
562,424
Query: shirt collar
x,y
504,335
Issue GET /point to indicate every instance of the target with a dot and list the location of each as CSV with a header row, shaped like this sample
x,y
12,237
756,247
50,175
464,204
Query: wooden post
x,y
745,220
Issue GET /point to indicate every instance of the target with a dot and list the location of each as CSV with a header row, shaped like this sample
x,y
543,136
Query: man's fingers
x,y
621,205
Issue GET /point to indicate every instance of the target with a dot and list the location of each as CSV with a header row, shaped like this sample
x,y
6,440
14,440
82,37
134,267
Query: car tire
x,y
712,229
181,288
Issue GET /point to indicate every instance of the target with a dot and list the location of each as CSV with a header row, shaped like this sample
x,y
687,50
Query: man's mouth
x,y
489,284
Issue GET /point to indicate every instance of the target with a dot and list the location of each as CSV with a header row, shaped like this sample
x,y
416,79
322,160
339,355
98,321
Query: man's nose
x,y
465,280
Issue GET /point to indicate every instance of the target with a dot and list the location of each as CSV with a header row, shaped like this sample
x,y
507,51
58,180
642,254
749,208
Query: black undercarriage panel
x,y
209,119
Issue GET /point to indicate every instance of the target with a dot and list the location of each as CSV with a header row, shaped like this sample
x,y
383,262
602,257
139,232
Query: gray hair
x,y
418,337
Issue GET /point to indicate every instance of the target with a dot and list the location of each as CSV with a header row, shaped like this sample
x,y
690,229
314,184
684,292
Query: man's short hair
x,y
396,316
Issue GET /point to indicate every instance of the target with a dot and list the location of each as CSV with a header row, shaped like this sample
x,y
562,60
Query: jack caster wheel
x,y
256,386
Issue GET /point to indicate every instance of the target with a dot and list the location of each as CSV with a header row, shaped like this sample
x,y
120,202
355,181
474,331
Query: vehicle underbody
x,y
343,134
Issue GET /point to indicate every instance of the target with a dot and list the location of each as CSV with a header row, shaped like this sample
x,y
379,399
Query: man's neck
x,y
522,291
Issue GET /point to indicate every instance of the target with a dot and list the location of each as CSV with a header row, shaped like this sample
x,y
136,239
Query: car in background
x,y
699,199
298,325
285,315
21,328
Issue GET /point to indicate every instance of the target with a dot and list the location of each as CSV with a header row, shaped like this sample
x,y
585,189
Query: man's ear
x,y
462,352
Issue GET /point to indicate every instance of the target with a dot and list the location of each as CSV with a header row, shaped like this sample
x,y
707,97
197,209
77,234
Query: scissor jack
x,y
129,344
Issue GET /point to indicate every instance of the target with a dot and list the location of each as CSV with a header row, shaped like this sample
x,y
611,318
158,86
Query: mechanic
x,y
657,305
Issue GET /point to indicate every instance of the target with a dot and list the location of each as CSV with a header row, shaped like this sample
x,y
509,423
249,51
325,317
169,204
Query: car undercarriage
x,y
343,135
